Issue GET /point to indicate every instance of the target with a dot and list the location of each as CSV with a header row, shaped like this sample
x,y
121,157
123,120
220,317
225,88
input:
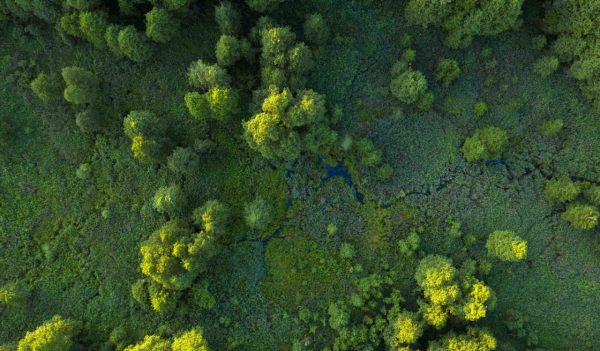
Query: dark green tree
x,y
47,87
205,76
161,26
82,86
134,45
228,50
447,71
228,18
169,199
316,30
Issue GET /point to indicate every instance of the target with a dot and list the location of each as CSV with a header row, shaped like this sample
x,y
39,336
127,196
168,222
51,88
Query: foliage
x,y
485,144
447,71
289,125
47,87
480,108
227,50
205,76
82,87
262,5
227,18
316,30
190,341
506,245
581,216
561,190
546,65
134,45
93,26
168,199
463,21
551,126
54,335
161,26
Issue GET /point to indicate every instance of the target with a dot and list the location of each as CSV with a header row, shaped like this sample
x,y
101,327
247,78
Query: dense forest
x,y
367,175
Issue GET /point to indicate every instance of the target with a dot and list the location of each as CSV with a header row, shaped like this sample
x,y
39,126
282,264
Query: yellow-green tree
x,y
506,245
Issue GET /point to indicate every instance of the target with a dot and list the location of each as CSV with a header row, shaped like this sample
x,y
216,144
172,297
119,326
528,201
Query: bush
x,y
134,45
227,18
581,216
82,86
561,190
89,121
55,335
259,214
506,245
161,26
262,5
409,86
551,126
47,87
316,30
174,256
447,71
190,341
111,37
169,199
227,50
485,144
205,76
480,108
93,27
546,65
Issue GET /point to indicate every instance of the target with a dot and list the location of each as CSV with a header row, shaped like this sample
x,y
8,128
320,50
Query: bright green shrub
x,y
259,214
316,30
551,126
169,199
227,50
150,343
55,335
561,190
546,65
262,5
205,76
289,125
485,144
480,108
447,71
227,18
406,328
201,297
472,340
134,45
192,340
174,256
93,27
506,245
82,87
464,20
197,105
409,86
161,26
581,216
47,87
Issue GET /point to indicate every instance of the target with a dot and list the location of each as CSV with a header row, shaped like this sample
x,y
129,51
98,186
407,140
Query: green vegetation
x,y
335,175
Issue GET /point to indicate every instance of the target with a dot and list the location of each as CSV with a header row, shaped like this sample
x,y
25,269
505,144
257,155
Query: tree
x,y
82,5
316,30
289,125
47,87
593,194
144,123
174,256
169,199
406,328
474,339
409,86
82,87
228,50
111,37
581,216
480,108
89,121
146,132
183,161
54,335
259,214
262,5
463,20
546,65
161,26
447,71
506,245
223,103
150,343
192,340
435,275
134,45
551,126
485,144
176,5
205,76
197,105
93,26
561,190
228,18
213,218
69,23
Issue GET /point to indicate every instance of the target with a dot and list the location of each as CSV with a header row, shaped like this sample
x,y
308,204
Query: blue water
x,y
493,162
